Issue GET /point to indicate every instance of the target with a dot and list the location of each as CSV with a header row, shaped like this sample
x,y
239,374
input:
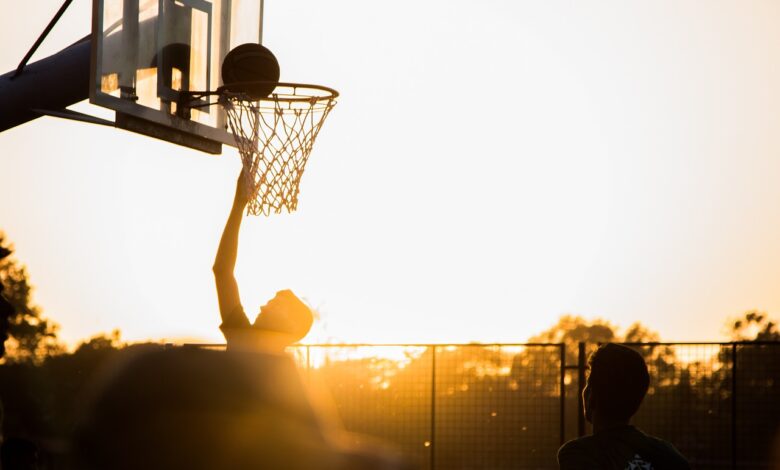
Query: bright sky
x,y
490,166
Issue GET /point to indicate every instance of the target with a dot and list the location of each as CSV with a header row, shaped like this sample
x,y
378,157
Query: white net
x,y
275,136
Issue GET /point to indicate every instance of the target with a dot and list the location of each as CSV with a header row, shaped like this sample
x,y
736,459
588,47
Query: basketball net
x,y
274,136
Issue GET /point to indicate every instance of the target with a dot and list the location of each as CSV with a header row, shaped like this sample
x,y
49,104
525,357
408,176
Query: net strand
x,y
274,143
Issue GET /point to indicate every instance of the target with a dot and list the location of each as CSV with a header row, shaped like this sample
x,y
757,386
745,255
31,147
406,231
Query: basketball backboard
x,y
145,52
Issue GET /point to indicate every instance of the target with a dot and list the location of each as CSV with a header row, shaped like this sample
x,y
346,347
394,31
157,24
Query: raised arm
x,y
225,262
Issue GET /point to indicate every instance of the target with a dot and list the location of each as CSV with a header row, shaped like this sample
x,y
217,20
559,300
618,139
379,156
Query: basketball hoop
x,y
275,135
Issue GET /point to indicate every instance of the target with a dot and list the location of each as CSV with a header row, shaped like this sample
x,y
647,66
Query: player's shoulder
x,y
575,451
666,451
576,444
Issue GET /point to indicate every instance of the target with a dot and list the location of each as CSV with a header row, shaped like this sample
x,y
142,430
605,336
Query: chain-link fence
x,y
479,406
449,406
501,406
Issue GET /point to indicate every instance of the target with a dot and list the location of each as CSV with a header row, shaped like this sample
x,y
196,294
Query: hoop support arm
x,y
39,41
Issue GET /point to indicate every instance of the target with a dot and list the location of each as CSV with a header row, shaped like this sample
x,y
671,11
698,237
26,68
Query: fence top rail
x,y
396,345
703,343
460,345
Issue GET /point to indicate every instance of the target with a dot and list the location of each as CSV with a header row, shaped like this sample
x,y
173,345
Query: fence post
x,y
580,388
308,363
563,392
734,405
433,407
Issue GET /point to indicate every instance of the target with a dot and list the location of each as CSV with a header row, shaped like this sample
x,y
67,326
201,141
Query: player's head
x,y
617,383
286,314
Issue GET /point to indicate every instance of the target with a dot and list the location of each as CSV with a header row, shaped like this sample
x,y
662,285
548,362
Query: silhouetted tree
x,y
573,329
31,336
42,399
754,326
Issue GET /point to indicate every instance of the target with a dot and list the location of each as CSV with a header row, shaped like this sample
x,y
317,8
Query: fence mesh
x,y
380,392
477,406
448,407
757,404
497,407
500,406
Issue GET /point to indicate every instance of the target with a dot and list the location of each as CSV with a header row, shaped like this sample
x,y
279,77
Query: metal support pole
x,y
47,85
129,58
433,408
39,41
580,387
563,393
260,33
308,362
734,405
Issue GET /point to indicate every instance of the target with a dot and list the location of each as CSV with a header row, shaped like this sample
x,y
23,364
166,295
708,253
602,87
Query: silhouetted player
x,y
616,385
284,320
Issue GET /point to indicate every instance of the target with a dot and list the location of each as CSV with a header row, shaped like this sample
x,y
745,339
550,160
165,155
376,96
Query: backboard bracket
x,y
74,116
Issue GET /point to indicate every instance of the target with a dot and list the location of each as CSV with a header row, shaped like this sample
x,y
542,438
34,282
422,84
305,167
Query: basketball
x,y
247,64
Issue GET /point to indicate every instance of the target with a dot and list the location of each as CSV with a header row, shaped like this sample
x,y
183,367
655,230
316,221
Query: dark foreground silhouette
x,y
200,409
18,454
615,388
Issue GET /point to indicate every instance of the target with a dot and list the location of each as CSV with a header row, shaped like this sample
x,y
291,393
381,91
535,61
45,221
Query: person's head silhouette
x,y
616,385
